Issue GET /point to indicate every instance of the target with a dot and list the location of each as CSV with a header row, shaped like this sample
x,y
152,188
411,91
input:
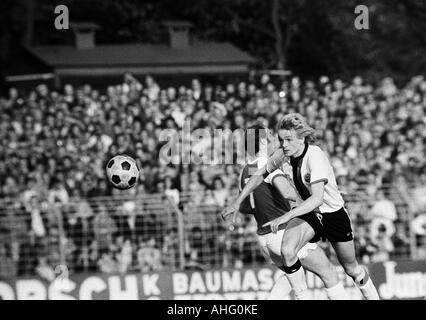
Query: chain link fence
x,y
155,232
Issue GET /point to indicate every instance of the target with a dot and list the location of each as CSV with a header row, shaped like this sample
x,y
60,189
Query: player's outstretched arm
x,y
284,188
310,204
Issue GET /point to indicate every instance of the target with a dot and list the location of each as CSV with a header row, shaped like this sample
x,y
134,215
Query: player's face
x,y
290,143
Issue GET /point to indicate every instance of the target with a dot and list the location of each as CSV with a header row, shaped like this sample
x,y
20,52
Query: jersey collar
x,y
296,159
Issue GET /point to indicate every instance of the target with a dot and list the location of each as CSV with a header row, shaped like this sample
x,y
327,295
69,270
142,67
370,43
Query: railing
x,y
152,232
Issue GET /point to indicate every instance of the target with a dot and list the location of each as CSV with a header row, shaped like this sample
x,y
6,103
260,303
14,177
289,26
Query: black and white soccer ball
x,y
122,172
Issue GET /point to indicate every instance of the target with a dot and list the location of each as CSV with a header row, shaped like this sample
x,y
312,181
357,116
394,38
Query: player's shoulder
x,y
313,148
315,151
250,167
262,161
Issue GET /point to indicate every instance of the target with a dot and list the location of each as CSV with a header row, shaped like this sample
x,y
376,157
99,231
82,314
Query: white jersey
x,y
311,167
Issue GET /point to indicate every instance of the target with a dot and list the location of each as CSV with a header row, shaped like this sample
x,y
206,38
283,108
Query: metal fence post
x,y
181,233
403,192
61,234
413,241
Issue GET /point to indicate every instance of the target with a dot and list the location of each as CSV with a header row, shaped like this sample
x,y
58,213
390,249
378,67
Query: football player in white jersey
x,y
271,200
313,178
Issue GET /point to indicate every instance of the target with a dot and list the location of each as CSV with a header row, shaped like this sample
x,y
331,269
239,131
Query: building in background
x,y
182,56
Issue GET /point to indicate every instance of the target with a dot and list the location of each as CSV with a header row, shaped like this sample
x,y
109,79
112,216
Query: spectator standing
x,y
103,228
384,245
401,241
220,193
7,264
149,256
171,192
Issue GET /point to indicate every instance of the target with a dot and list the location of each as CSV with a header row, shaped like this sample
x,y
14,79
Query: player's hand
x,y
232,209
276,223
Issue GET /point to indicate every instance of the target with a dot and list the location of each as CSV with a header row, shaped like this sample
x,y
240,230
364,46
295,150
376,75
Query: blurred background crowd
x,y
54,145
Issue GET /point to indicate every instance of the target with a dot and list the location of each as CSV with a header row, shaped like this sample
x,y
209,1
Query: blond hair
x,y
296,122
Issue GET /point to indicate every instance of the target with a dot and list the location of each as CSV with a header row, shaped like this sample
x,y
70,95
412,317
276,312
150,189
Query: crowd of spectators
x,y
54,145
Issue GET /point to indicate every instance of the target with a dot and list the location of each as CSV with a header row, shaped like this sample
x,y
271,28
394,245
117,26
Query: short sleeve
x,y
245,207
319,166
272,175
287,169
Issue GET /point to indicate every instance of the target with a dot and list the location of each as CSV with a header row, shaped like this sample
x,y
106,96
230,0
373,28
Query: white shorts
x,y
271,247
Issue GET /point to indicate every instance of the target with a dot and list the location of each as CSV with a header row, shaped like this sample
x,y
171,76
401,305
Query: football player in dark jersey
x,y
270,200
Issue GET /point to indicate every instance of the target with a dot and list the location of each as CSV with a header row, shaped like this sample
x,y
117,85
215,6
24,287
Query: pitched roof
x,y
84,25
141,55
177,23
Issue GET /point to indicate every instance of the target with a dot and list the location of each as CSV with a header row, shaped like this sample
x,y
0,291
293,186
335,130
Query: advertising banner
x,y
394,280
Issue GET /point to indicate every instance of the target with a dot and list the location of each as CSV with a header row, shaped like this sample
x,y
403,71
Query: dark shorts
x,y
337,226
314,221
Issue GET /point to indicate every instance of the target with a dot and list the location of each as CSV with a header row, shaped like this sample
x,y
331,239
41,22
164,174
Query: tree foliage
x,y
309,37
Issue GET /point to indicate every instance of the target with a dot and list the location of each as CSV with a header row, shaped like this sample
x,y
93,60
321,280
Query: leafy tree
x,y
308,37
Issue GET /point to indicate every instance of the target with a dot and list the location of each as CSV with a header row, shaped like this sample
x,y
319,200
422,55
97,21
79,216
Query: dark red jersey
x,y
265,203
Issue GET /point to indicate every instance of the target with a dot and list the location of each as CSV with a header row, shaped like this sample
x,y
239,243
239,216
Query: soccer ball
x,y
122,172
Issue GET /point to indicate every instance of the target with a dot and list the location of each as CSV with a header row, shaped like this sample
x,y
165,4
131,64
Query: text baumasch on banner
x,y
394,280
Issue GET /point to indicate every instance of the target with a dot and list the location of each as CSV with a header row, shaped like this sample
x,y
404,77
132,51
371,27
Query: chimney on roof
x,y
84,33
178,33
